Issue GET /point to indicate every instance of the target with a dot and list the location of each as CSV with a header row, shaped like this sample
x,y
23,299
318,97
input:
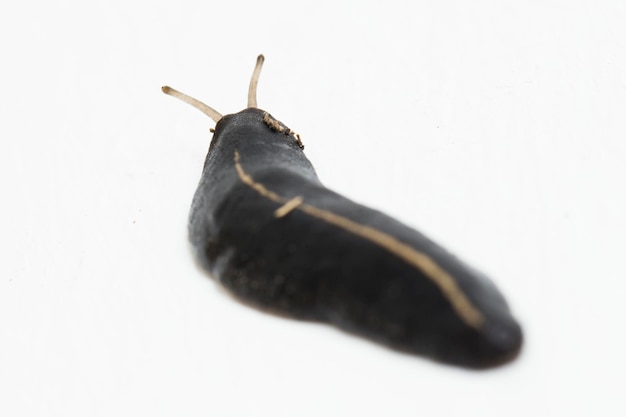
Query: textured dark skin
x,y
304,267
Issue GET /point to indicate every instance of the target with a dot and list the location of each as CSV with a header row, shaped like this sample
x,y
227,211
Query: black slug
x,y
263,224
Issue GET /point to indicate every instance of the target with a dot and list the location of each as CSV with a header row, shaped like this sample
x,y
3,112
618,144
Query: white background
x,y
496,127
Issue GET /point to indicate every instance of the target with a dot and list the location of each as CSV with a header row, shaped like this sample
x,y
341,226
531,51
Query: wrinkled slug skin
x,y
330,259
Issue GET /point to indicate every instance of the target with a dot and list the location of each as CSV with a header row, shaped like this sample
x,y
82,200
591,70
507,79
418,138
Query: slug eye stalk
x,y
210,111
254,81
206,109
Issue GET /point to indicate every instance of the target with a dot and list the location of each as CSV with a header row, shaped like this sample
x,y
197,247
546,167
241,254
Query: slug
x,y
264,225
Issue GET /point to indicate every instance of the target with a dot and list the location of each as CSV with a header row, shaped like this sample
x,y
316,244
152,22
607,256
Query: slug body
x,y
263,224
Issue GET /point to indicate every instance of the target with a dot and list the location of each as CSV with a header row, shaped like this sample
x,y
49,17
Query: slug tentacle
x,y
254,81
208,110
